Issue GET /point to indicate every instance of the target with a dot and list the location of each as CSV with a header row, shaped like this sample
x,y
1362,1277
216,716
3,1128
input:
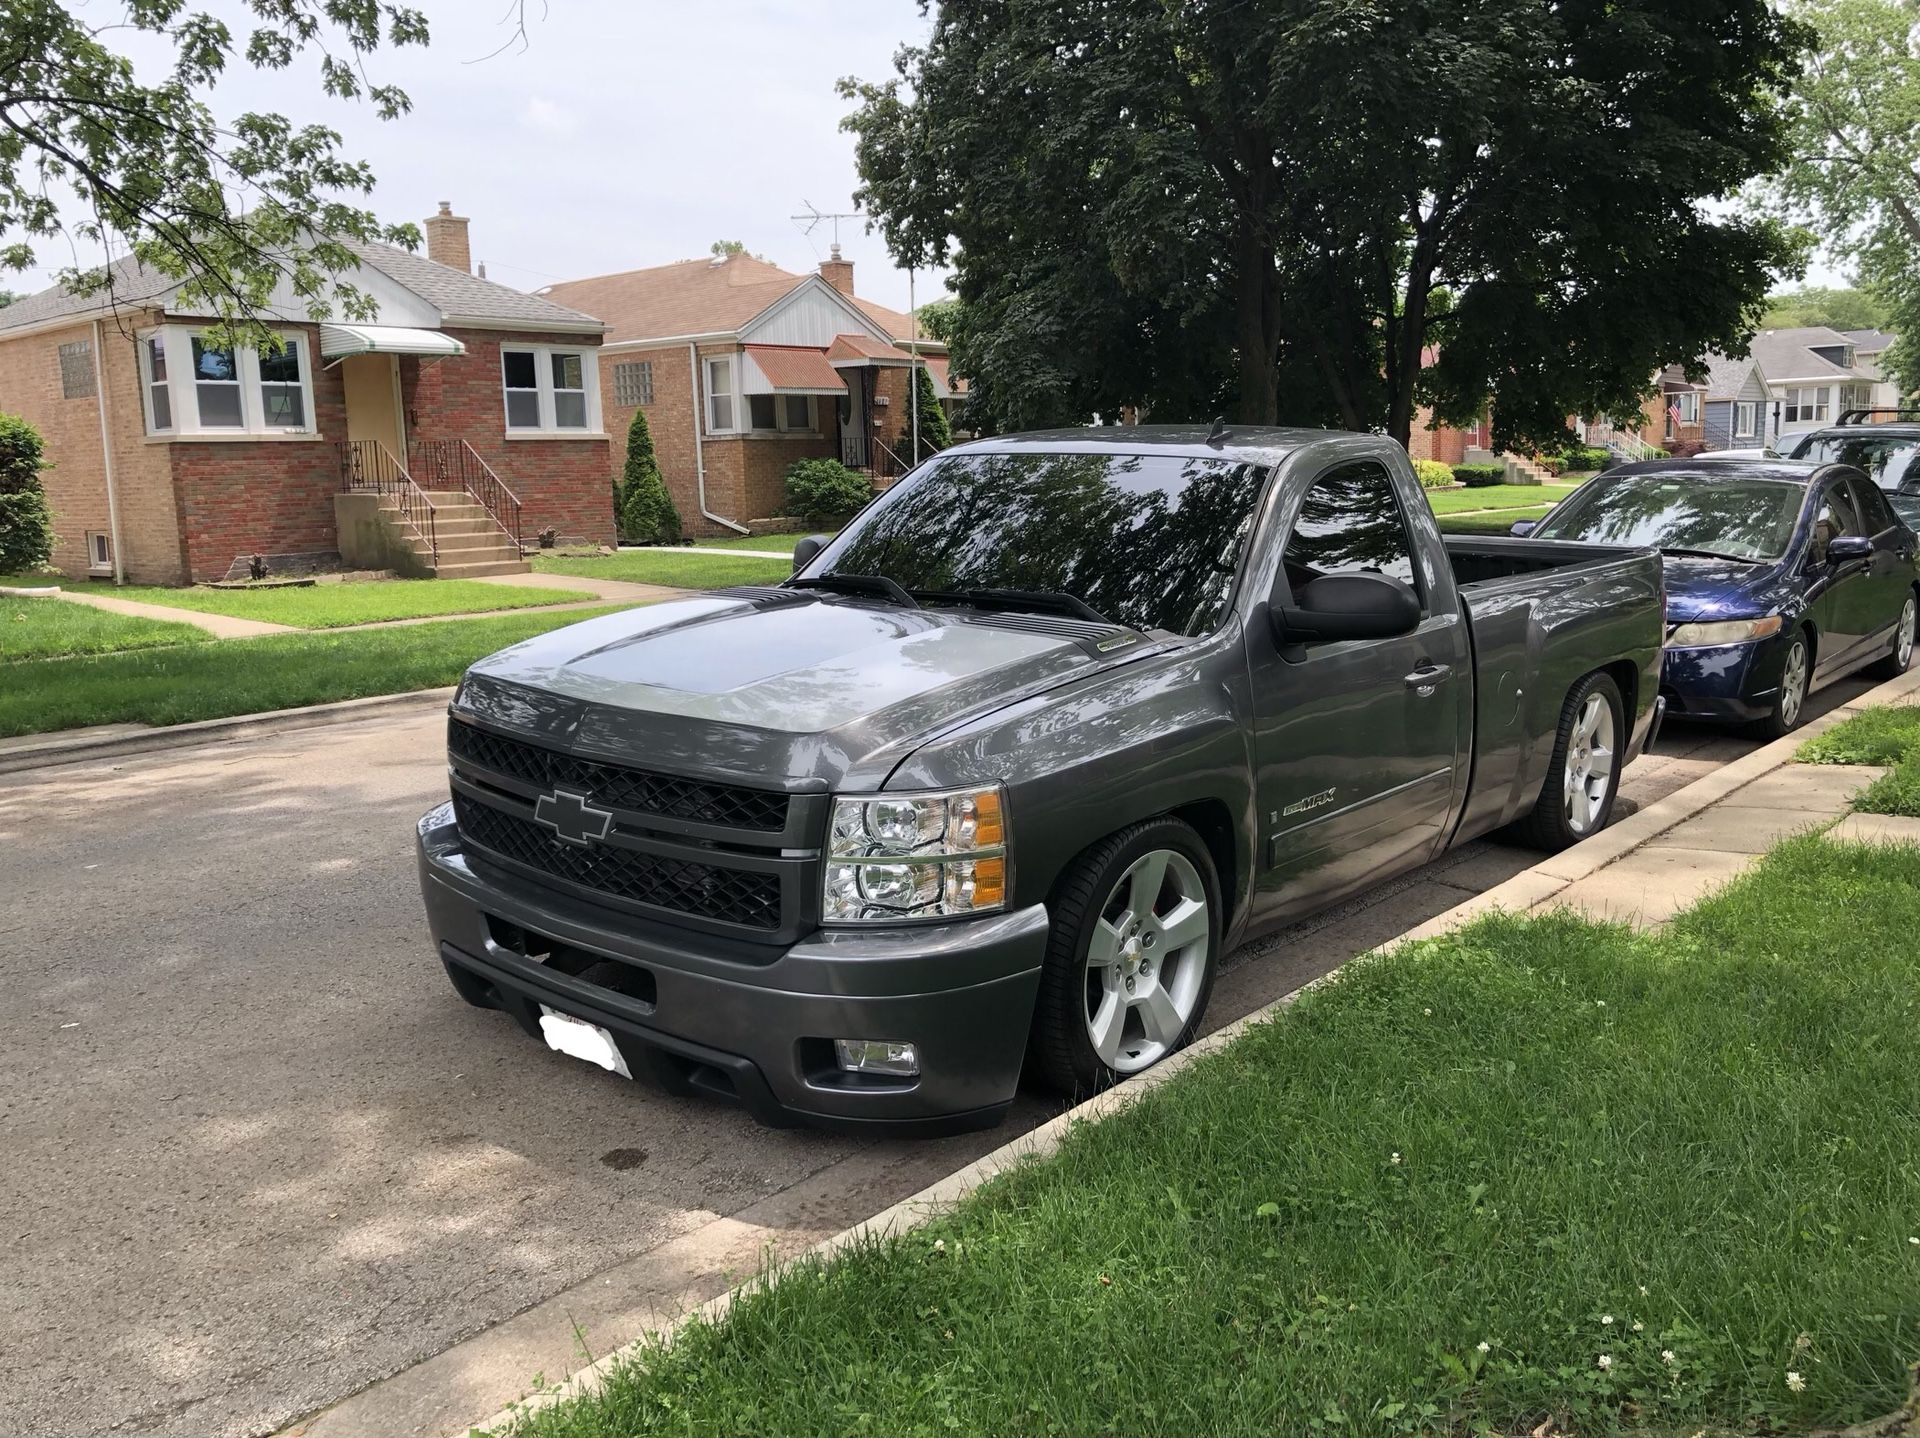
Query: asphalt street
x,y
258,1156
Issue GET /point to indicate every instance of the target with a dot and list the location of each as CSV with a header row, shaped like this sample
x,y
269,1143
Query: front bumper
x,y
1728,682
753,1023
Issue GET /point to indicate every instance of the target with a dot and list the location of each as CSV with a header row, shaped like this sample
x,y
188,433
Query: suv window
x,y
1891,461
1834,517
1350,521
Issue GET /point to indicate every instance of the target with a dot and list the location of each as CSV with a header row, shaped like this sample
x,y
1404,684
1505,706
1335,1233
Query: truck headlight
x,y
1726,631
916,856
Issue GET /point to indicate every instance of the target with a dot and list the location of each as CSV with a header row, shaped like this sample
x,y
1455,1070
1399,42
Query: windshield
x,y
1147,540
1892,461
1741,519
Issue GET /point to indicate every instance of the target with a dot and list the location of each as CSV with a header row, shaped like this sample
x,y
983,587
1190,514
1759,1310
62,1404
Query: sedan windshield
x,y
1740,519
1147,540
1892,461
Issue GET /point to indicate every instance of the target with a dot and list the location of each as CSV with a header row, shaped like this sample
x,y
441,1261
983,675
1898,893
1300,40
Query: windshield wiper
x,y
1711,554
1045,601
866,586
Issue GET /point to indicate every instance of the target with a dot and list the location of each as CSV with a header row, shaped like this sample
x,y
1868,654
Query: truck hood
x,y
775,686
1709,589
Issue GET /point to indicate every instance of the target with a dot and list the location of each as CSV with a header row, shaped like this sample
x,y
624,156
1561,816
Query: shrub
x,y
644,508
825,489
1480,476
1432,474
1552,463
935,433
1587,459
26,525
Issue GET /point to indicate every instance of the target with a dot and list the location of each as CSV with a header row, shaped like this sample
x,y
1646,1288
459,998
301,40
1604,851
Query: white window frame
x,y
1687,401
1799,409
781,424
1746,419
183,392
543,382
99,552
730,393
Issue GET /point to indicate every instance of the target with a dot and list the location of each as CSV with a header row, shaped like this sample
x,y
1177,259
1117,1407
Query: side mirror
x,y
805,549
1347,606
1521,528
1844,547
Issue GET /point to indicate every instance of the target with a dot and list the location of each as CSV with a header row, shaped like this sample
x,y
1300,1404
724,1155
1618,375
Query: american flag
x,y
1673,413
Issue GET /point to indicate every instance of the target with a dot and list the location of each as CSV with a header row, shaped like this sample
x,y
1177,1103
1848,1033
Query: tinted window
x,y
1742,519
1890,461
1349,521
1872,505
1833,516
1152,541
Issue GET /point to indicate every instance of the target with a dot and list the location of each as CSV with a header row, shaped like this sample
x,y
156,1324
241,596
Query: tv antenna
x,y
815,215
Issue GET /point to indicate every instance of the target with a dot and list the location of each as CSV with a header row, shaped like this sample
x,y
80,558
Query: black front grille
x,y
615,787
707,891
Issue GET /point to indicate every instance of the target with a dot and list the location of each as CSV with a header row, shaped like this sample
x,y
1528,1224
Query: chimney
x,y
838,272
447,239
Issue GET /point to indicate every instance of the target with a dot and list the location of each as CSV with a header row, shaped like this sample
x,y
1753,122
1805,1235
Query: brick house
x,y
743,367
421,440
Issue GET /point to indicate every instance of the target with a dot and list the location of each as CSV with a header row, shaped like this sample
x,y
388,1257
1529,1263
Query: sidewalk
x,y
220,626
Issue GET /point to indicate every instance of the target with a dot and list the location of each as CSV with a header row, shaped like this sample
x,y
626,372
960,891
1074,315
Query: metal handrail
x,y
894,470
367,464
456,464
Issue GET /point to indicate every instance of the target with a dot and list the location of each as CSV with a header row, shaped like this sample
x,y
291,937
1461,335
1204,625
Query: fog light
x,y
877,1056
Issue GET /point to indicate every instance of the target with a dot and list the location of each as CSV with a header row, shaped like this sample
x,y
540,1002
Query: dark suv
x,y
1884,443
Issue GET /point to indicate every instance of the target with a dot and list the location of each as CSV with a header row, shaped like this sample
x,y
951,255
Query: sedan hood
x,y
1703,590
777,686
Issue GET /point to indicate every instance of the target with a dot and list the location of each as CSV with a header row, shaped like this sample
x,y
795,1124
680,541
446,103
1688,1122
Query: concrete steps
x,y
470,544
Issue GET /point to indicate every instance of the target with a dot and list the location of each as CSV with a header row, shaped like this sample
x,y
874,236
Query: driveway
x,y
258,1156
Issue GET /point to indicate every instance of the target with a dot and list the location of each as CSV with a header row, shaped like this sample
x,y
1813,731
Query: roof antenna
x,y
1219,431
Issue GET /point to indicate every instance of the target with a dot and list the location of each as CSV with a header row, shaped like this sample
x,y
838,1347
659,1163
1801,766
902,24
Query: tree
x,y
937,318
727,249
1279,209
1855,171
641,501
233,208
26,528
7,297
1838,309
935,433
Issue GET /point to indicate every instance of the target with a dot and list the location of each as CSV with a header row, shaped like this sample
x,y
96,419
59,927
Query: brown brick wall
x,y
1445,444
563,484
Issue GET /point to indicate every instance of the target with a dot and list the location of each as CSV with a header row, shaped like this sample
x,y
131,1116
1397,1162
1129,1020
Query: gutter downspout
x,y
106,458
699,449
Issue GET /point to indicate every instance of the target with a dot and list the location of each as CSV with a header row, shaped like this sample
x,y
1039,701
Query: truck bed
x,y
1480,562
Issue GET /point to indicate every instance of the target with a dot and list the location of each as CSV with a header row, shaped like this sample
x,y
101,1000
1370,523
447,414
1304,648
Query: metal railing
x,y
367,464
456,464
886,464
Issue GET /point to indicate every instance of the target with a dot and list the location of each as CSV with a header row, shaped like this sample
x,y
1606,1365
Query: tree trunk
x,y
1257,328
1405,371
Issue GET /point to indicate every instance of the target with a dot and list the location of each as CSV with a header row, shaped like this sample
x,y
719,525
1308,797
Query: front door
x,y
854,451
1357,742
372,385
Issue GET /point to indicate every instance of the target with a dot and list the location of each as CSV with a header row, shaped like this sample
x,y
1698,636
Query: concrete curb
x,y
1519,893
78,748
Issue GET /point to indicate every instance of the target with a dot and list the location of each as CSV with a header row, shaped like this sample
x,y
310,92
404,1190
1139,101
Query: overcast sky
x,y
628,133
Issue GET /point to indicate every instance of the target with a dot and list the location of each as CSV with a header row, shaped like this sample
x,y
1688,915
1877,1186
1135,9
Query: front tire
x,y
1584,776
1790,704
1895,664
1131,960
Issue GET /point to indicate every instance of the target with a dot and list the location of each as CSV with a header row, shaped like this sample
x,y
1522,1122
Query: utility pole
x,y
913,348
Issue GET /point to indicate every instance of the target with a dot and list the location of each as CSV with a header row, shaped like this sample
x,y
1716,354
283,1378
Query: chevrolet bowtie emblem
x,y
572,819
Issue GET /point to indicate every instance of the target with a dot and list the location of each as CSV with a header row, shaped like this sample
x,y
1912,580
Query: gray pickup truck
x,y
993,782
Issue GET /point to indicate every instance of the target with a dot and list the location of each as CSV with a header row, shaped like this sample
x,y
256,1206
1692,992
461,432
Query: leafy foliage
x,y
26,525
1276,210
1432,474
1848,309
235,208
1855,170
643,505
1584,458
935,433
1480,476
825,489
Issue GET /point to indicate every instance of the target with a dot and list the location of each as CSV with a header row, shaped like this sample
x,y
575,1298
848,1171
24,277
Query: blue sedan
x,y
1781,577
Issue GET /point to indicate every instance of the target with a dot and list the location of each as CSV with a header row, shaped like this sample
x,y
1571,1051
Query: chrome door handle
x,y
1427,678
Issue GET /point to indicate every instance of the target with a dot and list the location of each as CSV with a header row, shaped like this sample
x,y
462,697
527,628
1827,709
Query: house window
x,y
799,411
282,396
1808,406
99,553
550,391
520,373
1746,419
216,386
762,412
569,390
785,413
1688,403
153,359
720,396
76,370
633,382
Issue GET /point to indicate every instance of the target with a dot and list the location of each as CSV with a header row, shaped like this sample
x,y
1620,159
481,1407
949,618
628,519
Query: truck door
x,y
1356,741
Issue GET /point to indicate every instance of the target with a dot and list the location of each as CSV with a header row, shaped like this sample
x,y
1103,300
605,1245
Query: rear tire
x,y
1790,704
1131,958
1576,801
1896,663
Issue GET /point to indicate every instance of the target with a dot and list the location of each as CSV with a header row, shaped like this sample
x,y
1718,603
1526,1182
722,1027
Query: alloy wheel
x,y
1903,644
1590,759
1793,684
1147,961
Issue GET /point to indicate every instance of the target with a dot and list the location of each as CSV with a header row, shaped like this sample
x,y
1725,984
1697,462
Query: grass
x,y
1495,496
658,566
782,542
329,606
250,676
55,628
1887,734
1498,523
1426,1199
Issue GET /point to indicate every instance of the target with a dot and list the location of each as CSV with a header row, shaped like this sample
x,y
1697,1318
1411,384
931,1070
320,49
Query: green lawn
x,y
52,628
328,606
1496,496
1496,523
662,566
1888,734
782,542
1542,1170
248,676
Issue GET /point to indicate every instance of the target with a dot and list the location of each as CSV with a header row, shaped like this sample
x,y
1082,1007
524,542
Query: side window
x,y
1350,521
1833,518
1875,513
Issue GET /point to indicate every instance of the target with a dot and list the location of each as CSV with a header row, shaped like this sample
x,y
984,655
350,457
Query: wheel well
x,y
1626,678
1813,644
1210,819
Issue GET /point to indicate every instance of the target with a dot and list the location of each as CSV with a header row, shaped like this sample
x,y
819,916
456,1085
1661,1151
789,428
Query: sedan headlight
x,y
916,856
1726,631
